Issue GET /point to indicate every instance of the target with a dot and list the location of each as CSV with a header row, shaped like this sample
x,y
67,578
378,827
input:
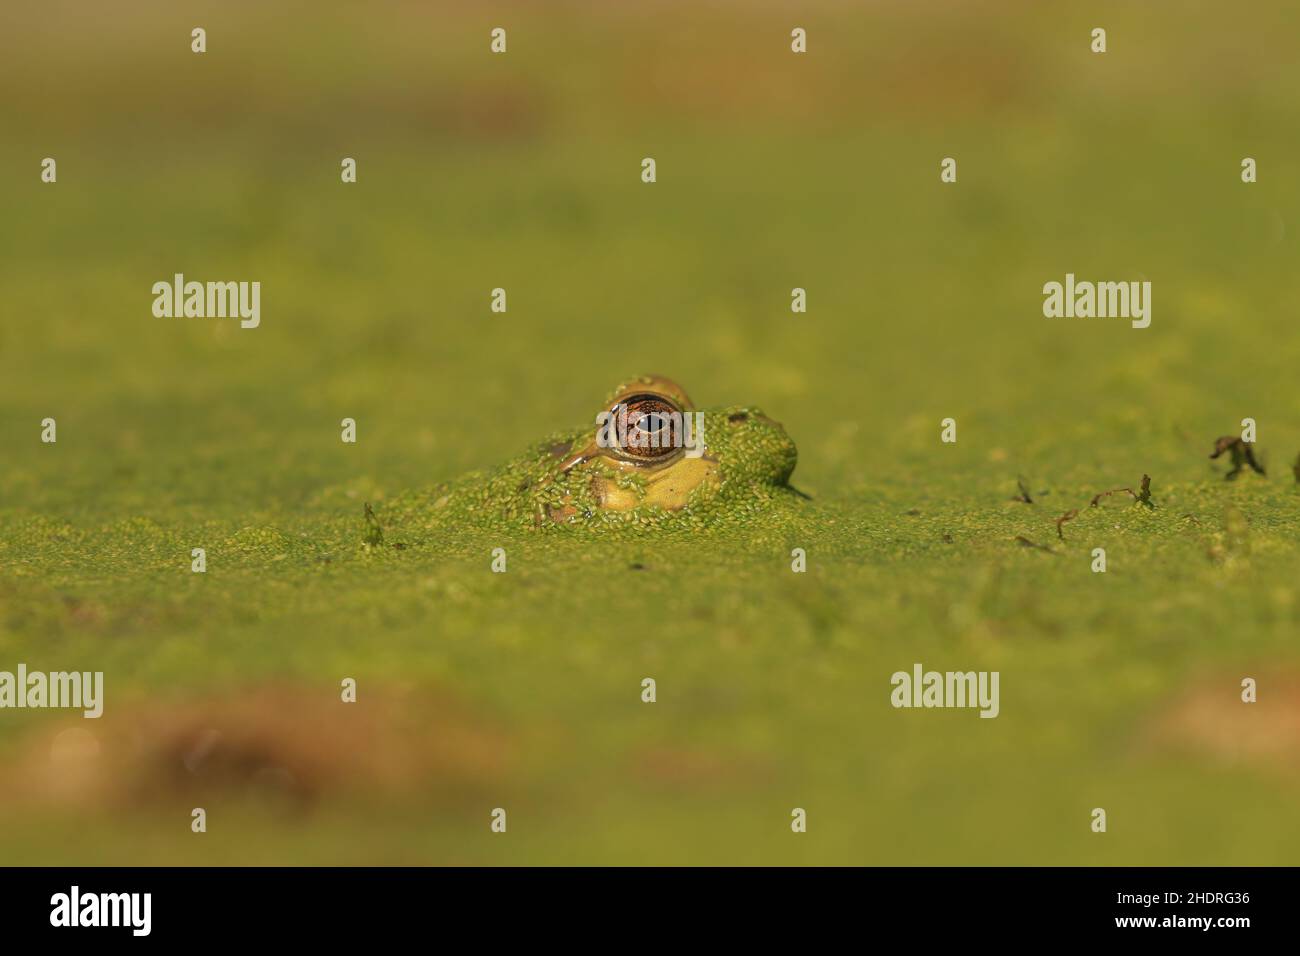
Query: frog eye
x,y
648,429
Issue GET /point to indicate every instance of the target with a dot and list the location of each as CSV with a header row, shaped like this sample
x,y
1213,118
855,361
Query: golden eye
x,y
647,429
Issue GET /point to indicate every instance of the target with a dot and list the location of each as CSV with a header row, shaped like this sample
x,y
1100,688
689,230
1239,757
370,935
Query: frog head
x,y
648,457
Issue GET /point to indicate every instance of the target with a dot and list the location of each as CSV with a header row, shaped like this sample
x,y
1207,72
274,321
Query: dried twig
x,y
1143,499
374,531
1114,491
1145,496
1026,543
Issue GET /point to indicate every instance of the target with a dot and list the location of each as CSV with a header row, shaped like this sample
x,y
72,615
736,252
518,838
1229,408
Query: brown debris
x,y
1208,720
1242,455
287,747
1141,498
1026,543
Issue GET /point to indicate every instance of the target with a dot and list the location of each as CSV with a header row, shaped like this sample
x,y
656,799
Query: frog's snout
x,y
764,445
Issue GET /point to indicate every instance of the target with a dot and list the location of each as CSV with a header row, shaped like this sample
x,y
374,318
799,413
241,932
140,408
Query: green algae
x,y
773,685
536,493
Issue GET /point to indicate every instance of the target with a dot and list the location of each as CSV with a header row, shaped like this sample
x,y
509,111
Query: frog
x,y
649,459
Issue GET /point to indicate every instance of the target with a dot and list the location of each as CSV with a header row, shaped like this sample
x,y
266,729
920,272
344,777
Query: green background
x,y
775,170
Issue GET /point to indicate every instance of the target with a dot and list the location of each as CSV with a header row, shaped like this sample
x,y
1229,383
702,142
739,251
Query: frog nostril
x,y
736,418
